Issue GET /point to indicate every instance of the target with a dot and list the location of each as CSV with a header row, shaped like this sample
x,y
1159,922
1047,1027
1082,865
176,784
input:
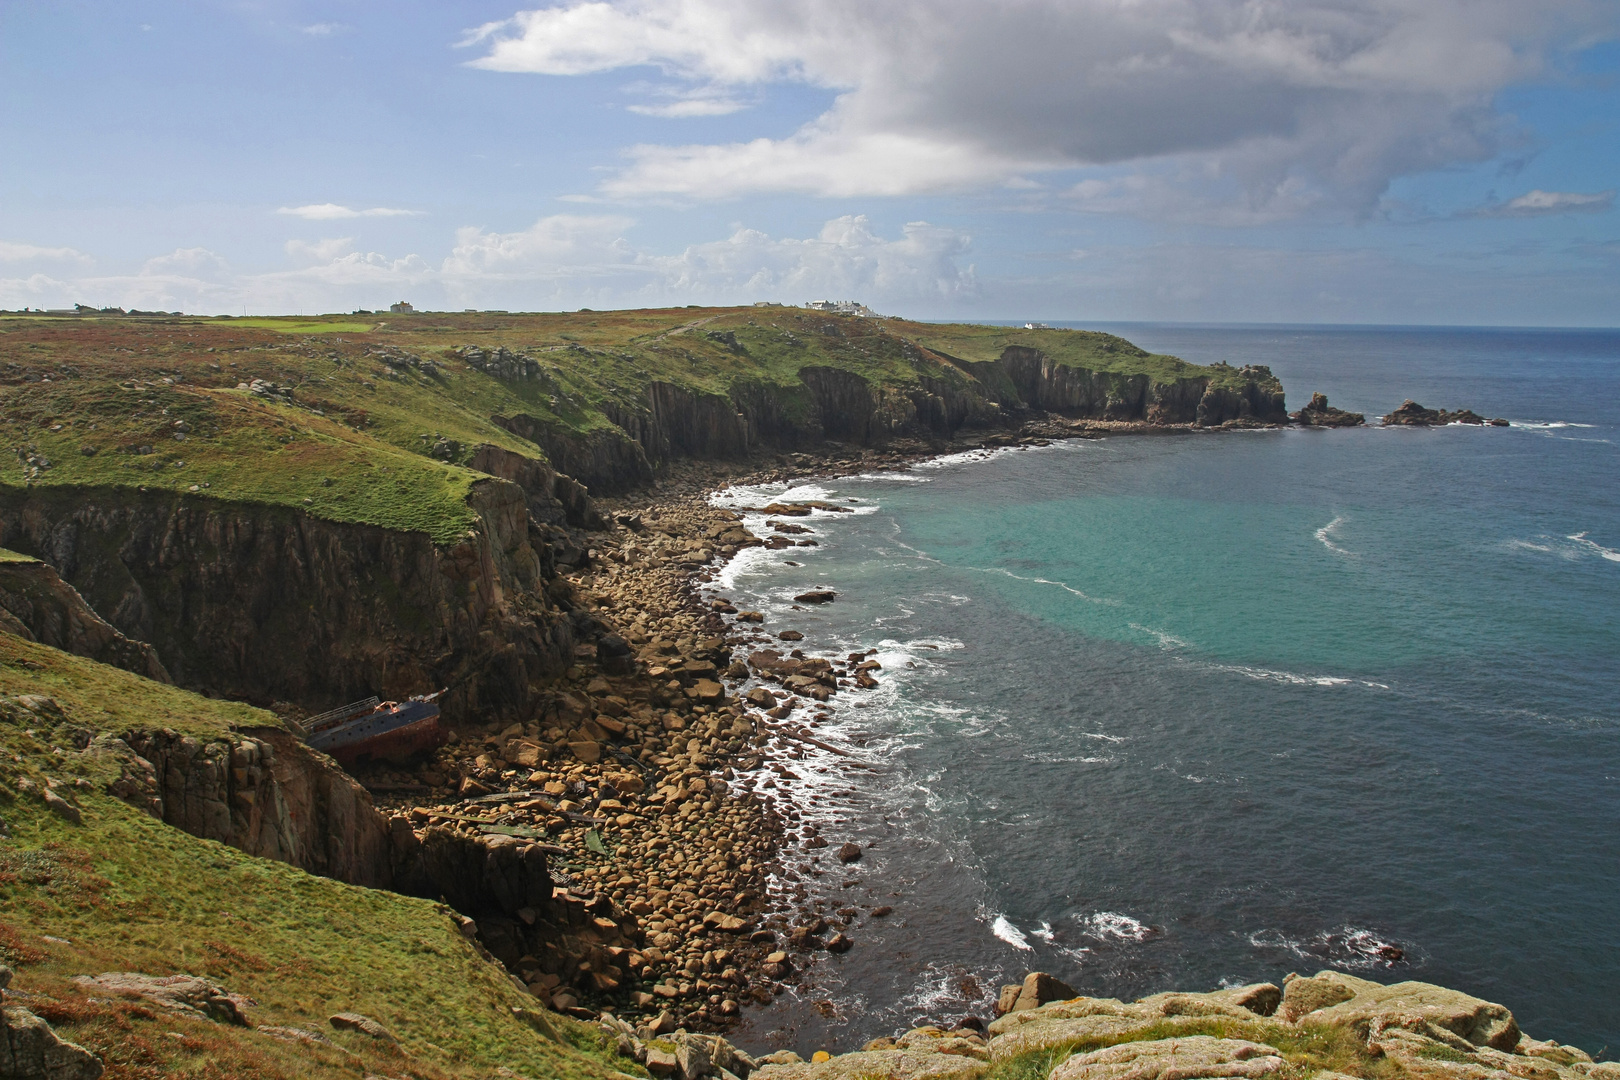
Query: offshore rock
x,y
1320,414
1411,414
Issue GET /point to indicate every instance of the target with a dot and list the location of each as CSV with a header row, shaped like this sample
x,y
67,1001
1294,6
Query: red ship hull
x,y
396,746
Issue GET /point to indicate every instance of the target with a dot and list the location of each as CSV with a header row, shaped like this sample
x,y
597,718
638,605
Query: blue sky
x,y
1381,161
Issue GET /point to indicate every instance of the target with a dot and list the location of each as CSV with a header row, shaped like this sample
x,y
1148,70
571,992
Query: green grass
x,y
371,401
1087,349
124,892
15,557
300,326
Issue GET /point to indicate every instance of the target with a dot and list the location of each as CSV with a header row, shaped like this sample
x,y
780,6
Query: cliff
x,y
268,604
96,879
37,605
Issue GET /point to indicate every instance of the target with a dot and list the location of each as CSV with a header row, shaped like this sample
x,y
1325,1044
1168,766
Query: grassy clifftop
x,y
373,419
124,892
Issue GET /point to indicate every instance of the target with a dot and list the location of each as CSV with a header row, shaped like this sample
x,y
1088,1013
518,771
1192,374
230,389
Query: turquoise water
x,y
1172,712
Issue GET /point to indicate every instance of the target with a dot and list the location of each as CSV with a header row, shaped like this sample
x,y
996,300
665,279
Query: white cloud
x,y
1538,203
322,29
14,252
1329,98
682,103
561,261
320,250
334,212
194,262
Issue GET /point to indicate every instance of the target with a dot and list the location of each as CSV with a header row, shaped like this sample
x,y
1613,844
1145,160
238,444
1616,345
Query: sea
x,y
1185,712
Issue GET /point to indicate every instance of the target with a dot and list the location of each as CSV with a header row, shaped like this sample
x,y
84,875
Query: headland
x,y
229,525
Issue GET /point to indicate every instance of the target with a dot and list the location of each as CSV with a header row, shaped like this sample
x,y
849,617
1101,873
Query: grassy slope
x,y
124,892
1072,348
354,445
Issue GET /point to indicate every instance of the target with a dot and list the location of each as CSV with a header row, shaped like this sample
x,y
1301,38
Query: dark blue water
x,y
1173,712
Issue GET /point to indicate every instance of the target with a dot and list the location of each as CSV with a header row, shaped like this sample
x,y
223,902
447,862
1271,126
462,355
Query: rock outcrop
x,y
1411,414
1427,1031
264,792
184,994
1320,414
269,604
30,1050
37,605
1042,383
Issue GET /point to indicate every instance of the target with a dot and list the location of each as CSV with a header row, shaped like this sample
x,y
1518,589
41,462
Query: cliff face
x,y
1101,395
835,404
264,792
603,460
266,604
37,605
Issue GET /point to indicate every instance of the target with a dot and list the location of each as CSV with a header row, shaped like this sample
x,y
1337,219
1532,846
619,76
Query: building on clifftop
x,y
843,307
401,308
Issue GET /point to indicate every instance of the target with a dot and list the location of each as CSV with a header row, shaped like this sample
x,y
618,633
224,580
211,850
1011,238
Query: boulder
x,y
1301,996
365,1025
1421,1008
1040,988
816,596
1190,1058
30,1050
1258,999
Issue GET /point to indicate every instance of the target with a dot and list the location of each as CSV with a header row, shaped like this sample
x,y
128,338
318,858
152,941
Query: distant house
x,y
843,307
401,308
1036,326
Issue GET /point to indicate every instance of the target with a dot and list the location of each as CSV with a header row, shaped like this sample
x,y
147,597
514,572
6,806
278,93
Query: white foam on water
x,y
1353,947
1166,640
1100,735
1546,425
1607,553
1043,932
965,457
1291,678
1571,548
1003,928
1049,757
937,991
1044,581
1113,926
1326,533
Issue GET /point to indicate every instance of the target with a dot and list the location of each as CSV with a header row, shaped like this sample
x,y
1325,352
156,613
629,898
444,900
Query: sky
x,y
1447,162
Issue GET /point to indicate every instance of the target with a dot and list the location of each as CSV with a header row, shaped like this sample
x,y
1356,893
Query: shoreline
x,y
704,934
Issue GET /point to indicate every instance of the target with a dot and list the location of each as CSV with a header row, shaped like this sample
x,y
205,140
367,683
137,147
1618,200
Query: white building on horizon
x,y
843,307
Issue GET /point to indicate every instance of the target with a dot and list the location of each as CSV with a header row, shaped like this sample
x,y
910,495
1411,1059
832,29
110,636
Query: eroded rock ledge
x,y
1330,1025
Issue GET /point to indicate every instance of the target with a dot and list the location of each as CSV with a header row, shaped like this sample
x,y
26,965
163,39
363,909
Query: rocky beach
x,y
675,824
